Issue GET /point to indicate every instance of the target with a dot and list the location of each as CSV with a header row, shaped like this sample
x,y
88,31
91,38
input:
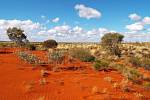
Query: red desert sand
x,y
19,81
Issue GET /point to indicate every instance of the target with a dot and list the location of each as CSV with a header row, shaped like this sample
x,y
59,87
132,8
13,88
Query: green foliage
x,y
50,44
129,72
55,56
101,65
17,35
146,84
82,54
31,47
111,41
135,61
132,74
141,62
30,58
146,63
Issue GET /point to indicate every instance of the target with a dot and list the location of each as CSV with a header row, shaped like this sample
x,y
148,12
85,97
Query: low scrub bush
x,y
30,58
101,65
55,56
140,62
146,63
50,44
135,61
82,54
146,85
31,47
130,73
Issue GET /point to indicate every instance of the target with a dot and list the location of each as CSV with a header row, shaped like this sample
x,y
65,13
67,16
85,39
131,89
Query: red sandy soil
x,y
19,81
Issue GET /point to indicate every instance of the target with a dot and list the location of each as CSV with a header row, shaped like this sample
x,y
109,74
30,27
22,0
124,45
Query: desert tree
x,y
17,35
111,41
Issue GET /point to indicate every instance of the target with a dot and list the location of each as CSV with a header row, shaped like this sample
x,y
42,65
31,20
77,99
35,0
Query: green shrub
x,y
50,44
31,47
146,84
111,41
82,54
55,56
130,73
135,61
101,65
30,58
146,63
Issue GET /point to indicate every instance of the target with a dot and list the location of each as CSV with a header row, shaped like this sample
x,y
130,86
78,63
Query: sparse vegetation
x,y
50,44
30,58
31,47
17,35
145,63
55,56
131,73
136,61
82,54
146,85
101,65
111,41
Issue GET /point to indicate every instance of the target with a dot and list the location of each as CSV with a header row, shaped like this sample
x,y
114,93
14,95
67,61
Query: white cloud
x,y
139,25
146,20
87,12
135,27
77,30
134,17
55,20
136,36
28,26
62,29
36,32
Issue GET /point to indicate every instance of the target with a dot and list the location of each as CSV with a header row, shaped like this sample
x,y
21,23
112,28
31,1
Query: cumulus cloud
x,y
76,33
135,36
27,25
134,17
55,20
139,25
87,12
146,20
138,31
77,30
36,32
135,27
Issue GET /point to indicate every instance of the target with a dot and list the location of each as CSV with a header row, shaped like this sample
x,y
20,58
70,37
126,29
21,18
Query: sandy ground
x,y
19,81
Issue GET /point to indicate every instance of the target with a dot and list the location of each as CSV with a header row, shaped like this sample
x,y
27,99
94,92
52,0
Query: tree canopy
x,y
50,44
17,35
110,42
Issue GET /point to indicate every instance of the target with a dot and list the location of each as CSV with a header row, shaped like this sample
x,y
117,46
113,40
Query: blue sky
x,y
114,16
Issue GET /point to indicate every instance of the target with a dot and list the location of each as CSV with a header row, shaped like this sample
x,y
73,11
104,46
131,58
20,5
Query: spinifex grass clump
x,y
136,61
141,62
82,54
31,47
30,58
101,65
146,63
56,55
131,73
